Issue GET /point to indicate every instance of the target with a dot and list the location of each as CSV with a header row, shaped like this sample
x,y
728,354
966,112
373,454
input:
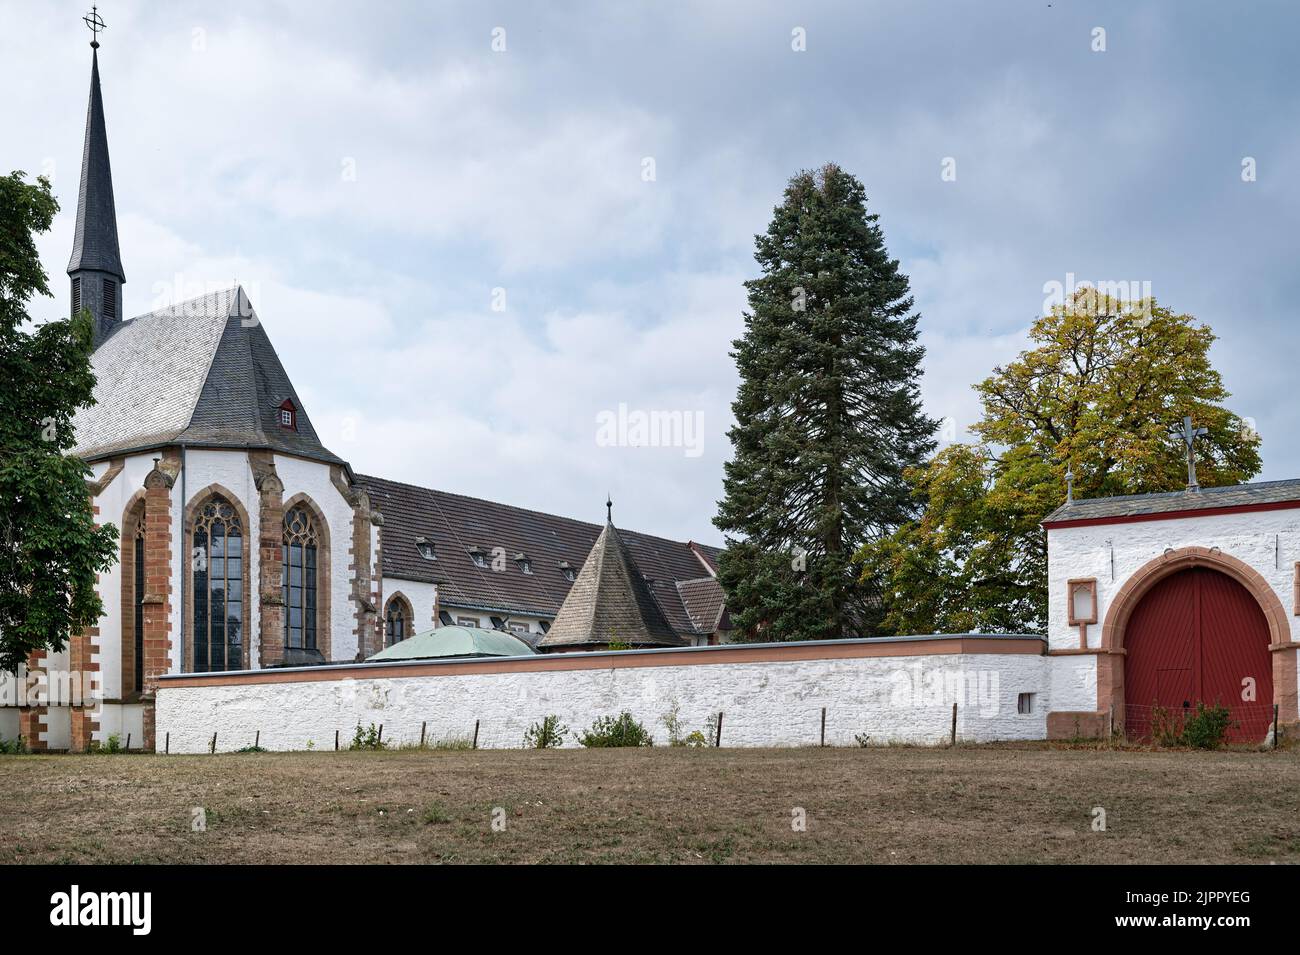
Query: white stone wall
x,y
1269,541
893,699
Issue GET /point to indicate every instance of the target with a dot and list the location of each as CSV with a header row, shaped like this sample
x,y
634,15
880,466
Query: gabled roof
x,y
1259,494
454,523
94,244
610,603
201,372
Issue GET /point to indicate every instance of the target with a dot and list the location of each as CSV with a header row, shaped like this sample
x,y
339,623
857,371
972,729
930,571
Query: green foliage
x,y
453,742
1207,727
677,734
622,730
254,749
1103,390
13,747
616,644
367,738
548,734
110,746
828,416
50,548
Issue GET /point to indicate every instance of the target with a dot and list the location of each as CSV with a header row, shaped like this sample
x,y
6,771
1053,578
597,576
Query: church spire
x,y
96,264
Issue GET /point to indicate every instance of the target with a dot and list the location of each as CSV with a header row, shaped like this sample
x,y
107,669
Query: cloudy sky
x,y
462,261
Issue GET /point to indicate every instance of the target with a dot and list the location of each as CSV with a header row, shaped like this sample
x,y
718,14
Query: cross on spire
x,y
609,510
96,24
1189,436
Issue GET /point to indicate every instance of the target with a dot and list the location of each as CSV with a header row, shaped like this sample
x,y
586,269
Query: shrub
x,y
111,745
676,729
1206,728
862,739
622,730
453,742
548,734
367,738
13,747
1166,726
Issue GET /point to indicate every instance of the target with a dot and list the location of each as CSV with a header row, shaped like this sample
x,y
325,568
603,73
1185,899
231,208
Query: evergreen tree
x,y
50,549
828,416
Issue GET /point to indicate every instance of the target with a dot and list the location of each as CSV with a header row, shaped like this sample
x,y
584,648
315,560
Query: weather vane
x,y
96,24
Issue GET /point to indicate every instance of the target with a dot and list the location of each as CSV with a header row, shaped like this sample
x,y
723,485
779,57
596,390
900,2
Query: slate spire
x,y
610,602
96,264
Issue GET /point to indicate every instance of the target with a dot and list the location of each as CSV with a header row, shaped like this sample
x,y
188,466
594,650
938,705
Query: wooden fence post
x,y
257,740
954,724
213,748
823,726
717,740
475,744
424,725
336,741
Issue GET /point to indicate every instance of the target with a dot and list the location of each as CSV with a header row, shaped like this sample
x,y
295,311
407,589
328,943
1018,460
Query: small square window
x,y
519,628
467,622
1025,703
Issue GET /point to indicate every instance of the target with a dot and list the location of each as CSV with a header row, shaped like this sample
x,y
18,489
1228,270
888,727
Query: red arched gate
x,y
1198,636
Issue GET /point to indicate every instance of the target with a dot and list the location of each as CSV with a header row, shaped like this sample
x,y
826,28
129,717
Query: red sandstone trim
x,y
781,653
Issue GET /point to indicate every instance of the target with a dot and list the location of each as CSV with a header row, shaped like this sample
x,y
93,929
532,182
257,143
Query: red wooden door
x,y
1198,636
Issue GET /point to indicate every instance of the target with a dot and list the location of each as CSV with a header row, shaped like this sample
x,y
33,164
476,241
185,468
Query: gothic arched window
x,y
397,620
217,569
299,556
133,601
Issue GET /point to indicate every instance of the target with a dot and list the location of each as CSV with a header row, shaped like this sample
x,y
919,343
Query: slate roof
x,y
1136,505
454,523
610,602
94,243
201,372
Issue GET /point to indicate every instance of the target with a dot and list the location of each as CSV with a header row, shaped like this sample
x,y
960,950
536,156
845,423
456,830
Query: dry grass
x,y
1022,803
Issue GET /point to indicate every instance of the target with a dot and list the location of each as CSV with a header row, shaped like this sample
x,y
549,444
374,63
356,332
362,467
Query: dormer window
x,y
288,415
567,570
525,565
479,556
426,549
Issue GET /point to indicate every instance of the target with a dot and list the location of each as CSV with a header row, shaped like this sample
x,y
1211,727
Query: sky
x,y
487,238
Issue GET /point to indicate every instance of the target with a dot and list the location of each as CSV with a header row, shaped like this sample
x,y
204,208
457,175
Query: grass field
x,y
971,804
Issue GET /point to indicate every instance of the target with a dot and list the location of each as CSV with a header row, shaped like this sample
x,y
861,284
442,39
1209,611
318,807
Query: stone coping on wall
x,y
927,645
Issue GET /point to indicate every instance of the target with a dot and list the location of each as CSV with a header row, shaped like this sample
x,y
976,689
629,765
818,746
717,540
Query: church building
x,y
247,544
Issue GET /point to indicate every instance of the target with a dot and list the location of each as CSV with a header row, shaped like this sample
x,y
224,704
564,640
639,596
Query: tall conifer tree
x,y
828,416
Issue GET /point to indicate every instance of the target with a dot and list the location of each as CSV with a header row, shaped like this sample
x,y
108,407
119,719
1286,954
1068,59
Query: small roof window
x,y
426,548
287,415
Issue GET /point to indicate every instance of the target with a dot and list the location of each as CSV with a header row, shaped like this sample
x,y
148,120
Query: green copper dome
x,y
443,642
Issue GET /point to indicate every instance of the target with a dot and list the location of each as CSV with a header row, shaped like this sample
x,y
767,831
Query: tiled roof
x,y
201,372
610,603
1136,505
703,599
454,523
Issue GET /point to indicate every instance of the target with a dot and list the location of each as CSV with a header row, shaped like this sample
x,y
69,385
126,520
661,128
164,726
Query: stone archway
x,y
1110,662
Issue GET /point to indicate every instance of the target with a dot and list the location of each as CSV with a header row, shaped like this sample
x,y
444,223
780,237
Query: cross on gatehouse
x,y
1189,436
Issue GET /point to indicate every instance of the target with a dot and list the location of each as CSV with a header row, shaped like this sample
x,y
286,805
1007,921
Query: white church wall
x,y
1269,541
423,598
775,701
8,722
313,479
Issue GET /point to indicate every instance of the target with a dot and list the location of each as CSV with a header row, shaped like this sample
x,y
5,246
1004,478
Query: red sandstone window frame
x,y
1072,587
